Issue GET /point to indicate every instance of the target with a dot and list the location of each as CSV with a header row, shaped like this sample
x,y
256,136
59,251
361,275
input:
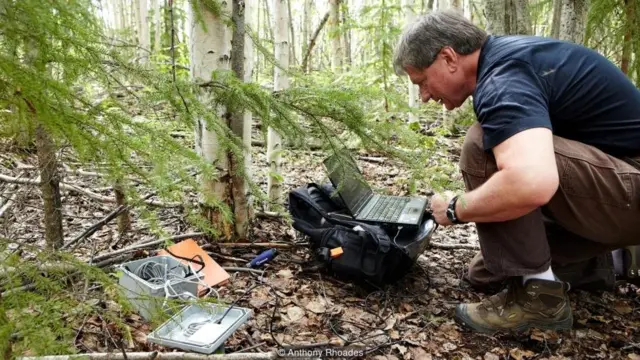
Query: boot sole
x,y
564,324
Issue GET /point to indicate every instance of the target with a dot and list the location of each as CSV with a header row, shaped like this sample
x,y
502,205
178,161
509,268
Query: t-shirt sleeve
x,y
512,99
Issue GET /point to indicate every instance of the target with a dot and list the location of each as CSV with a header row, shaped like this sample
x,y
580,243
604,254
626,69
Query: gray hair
x,y
422,40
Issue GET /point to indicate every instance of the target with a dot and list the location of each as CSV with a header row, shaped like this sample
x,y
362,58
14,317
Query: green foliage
x,y
42,321
82,86
607,23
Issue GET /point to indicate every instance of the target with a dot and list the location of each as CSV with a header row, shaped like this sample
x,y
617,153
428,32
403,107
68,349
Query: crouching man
x,y
552,166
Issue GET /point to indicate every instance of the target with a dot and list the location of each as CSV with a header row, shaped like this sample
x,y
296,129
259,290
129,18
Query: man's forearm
x,y
503,197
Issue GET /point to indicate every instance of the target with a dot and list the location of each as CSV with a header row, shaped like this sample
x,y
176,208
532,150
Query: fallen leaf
x,y
285,274
491,356
391,322
394,334
520,354
401,349
317,307
419,354
634,356
622,307
295,313
140,337
449,346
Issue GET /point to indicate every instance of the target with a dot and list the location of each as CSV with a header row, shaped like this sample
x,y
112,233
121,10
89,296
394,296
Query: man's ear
x,y
450,58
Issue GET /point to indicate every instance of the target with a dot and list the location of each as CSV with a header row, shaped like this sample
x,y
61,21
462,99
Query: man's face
x,y
442,81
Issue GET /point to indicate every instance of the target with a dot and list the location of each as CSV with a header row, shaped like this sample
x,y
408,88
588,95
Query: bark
x,y
573,20
312,43
209,51
280,82
346,35
50,187
507,17
306,25
334,35
156,23
124,219
557,14
237,165
626,46
268,20
251,12
292,48
143,31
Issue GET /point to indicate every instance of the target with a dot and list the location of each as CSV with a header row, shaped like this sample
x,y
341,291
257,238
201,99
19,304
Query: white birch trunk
x,y
306,26
157,25
118,14
573,19
410,16
133,16
336,44
144,41
210,50
280,81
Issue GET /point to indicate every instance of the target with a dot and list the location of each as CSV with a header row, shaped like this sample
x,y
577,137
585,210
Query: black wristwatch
x,y
451,211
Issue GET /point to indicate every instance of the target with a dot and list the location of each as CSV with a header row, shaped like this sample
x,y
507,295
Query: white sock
x,y
545,275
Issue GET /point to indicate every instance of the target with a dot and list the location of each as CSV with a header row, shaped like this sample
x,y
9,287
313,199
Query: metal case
x,y
194,327
148,298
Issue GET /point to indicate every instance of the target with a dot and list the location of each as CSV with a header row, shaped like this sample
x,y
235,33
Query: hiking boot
x,y
539,303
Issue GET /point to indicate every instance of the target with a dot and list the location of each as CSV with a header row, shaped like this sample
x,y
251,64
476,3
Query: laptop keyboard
x,y
386,208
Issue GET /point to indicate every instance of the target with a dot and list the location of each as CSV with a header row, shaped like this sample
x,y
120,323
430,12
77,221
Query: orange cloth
x,y
214,274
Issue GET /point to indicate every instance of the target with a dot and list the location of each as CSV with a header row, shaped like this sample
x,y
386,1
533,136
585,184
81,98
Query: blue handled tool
x,y
262,258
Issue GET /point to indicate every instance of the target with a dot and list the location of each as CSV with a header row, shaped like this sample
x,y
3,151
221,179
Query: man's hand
x,y
439,206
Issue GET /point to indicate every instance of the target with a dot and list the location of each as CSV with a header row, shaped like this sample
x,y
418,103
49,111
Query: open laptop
x,y
366,206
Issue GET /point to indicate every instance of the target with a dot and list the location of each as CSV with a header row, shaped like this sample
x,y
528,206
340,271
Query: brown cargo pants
x,y
595,210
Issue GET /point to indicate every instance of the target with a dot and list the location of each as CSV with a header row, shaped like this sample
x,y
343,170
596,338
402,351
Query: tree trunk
x,y
124,219
211,50
268,20
50,187
557,14
346,34
306,25
156,23
334,35
237,165
312,43
143,31
573,19
410,16
280,82
626,46
507,17
251,14
292,44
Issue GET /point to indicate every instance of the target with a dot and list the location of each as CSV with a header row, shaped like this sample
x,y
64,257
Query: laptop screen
x,y
345,176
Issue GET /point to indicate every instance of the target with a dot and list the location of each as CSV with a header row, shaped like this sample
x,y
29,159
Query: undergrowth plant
x,y
85,89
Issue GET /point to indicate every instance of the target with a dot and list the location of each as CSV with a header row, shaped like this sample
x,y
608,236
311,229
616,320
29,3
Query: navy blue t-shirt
x,y
526,82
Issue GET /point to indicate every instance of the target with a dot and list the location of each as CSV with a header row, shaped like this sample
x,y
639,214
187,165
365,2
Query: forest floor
x,y
412,319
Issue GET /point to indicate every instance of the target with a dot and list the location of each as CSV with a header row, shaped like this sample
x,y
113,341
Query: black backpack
x,y
370,254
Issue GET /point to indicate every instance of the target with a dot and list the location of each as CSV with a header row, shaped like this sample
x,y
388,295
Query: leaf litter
x,y
409,320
